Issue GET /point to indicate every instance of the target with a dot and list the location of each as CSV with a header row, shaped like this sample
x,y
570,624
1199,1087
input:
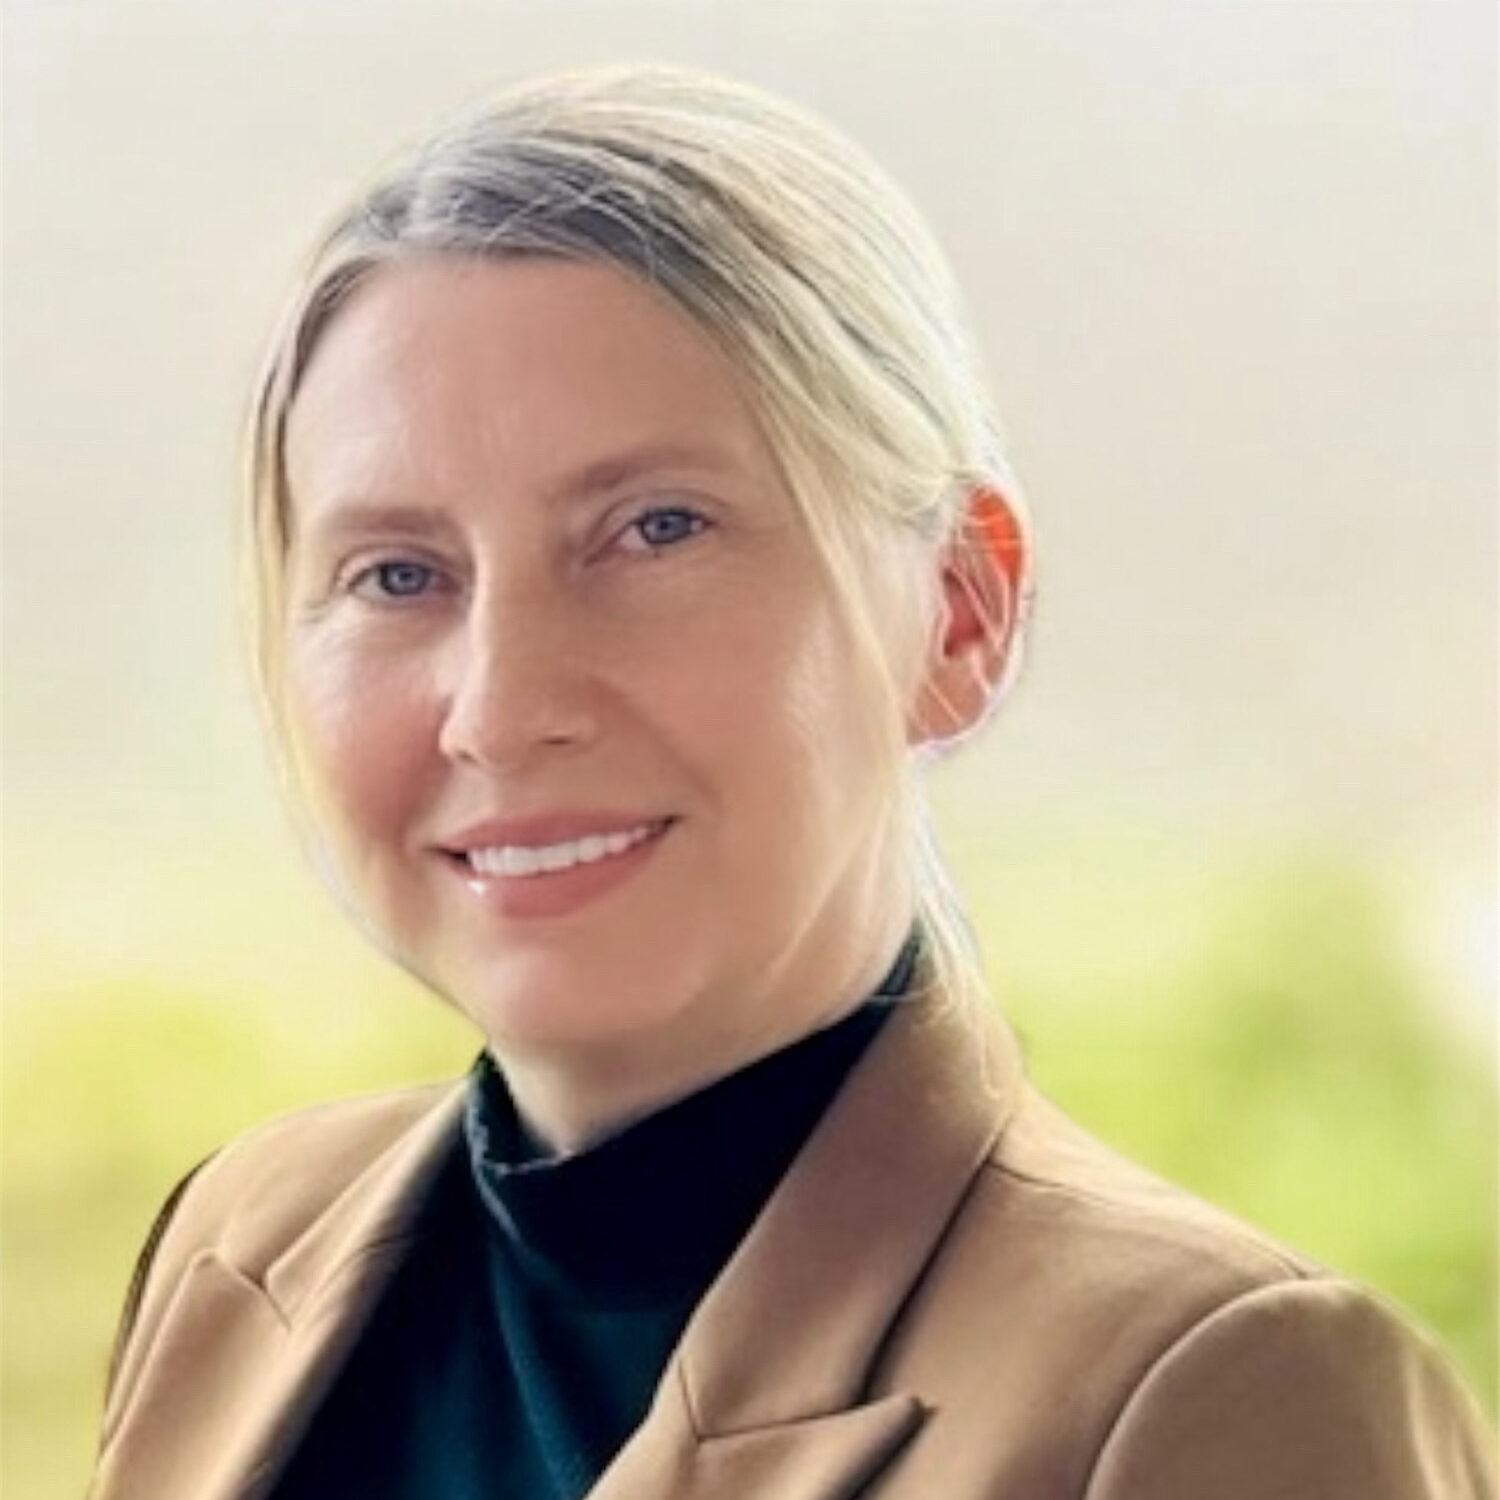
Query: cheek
x,y
360,732
802,714
846,693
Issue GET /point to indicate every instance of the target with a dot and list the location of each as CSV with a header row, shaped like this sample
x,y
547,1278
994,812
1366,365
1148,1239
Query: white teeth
x,y
511,860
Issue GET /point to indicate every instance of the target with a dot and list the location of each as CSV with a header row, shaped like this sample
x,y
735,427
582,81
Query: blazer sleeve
x,y
1306,1390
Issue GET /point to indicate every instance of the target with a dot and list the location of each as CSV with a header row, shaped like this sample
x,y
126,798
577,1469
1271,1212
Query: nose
x,y
518,684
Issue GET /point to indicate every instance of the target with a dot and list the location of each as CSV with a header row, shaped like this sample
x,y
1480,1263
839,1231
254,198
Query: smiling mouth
x,y
527,861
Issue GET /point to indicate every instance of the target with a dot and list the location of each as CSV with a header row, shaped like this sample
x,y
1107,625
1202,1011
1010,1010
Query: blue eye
x,y
398,579
667,526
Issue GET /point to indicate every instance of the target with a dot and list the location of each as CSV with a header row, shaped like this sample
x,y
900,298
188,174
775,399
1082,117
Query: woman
x,y
629,527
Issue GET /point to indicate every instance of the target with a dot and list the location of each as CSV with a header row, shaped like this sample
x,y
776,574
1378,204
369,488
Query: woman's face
x,y
575,709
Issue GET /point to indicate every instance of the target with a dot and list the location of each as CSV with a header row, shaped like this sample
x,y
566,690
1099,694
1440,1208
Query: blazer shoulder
x,y
263,1188
1146,1323
1068,1269
1071,1186
1312,1387
259,1195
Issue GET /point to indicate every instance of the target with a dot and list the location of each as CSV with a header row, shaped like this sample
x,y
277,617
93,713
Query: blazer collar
x,y
852,1224
224,1390
369,1226
767,1392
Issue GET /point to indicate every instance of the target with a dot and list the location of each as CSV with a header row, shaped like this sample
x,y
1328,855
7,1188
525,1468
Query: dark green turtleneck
x,y
524,1338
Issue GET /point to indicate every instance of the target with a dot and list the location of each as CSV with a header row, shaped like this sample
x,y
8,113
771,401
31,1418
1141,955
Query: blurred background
x,y
1230,848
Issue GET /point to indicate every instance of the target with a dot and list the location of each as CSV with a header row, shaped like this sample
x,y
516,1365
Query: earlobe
x,y
974,649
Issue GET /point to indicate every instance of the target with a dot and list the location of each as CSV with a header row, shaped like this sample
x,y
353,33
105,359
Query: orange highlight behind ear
x,y
997,529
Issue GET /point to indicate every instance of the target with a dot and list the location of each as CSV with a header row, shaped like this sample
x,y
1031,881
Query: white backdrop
x,y
1233,264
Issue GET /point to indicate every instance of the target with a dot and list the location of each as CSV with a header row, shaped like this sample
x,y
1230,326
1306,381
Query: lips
x,y
553,868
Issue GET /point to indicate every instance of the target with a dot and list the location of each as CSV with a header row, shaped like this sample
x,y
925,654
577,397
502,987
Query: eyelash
x,y
695,524
378,578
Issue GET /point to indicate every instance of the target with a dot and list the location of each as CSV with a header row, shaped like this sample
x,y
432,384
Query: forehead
x,y
448,371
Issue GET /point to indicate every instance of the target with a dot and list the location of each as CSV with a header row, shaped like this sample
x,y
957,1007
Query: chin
x,y
550,1001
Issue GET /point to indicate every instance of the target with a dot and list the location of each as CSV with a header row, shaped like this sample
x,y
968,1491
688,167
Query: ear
x,y
975,644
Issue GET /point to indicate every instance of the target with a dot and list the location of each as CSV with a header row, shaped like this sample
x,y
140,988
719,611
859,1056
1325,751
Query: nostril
x,y
502,716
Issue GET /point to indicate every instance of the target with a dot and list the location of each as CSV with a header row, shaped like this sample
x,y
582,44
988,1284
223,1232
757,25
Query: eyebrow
x,y
357,517
355,514
616,469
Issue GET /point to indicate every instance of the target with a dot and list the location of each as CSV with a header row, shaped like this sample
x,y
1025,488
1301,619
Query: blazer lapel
x,y
237,1369
774,1389
814,1458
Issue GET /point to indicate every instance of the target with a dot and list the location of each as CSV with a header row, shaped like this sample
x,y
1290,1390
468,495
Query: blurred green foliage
x,y
1247,1028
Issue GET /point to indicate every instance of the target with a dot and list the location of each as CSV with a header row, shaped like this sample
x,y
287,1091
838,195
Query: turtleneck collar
x,y
650,1215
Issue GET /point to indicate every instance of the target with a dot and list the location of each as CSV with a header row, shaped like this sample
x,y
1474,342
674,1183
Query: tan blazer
x,y
954,1294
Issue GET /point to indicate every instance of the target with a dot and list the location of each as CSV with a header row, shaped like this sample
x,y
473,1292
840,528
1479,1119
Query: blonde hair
x,y
788,247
